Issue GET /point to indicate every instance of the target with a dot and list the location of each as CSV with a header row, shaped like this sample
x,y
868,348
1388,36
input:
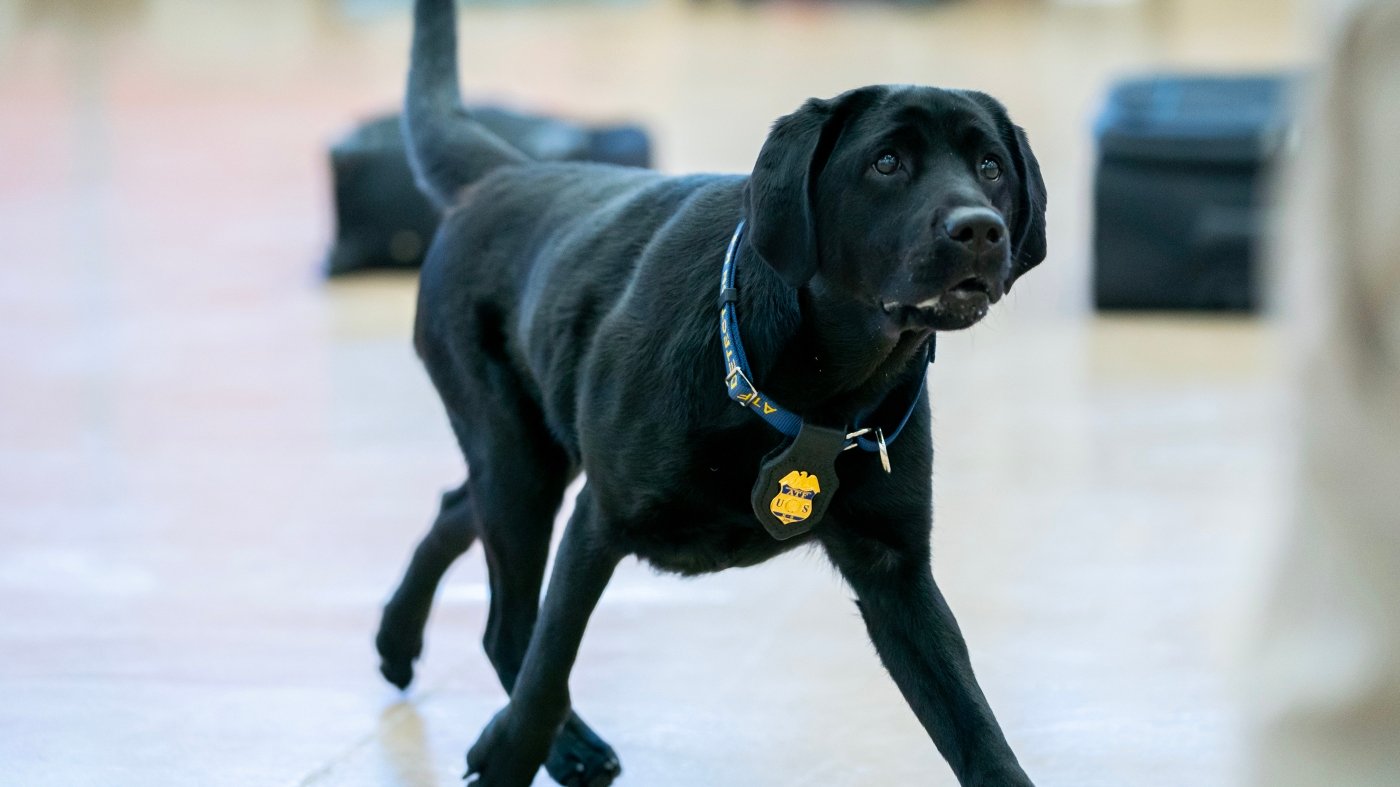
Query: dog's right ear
x,y
778,198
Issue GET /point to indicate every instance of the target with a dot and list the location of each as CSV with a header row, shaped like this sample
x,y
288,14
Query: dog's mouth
x,y
959,306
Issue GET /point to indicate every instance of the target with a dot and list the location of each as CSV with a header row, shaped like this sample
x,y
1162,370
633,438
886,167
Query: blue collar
x,y
738,377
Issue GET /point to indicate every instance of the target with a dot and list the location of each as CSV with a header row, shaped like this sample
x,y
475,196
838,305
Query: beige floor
x,y
213,465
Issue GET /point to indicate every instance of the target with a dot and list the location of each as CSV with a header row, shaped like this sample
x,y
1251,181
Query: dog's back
x,y
533,259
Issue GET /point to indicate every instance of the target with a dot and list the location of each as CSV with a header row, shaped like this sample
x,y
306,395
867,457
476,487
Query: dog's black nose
x,y
979,229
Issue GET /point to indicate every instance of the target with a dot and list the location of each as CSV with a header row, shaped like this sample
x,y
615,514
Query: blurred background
x,y
214,460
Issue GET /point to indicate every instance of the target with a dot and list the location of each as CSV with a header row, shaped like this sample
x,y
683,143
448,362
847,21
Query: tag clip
x,y
884,450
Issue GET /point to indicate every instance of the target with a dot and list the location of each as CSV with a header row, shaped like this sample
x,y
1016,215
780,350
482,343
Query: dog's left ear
x,y
778,199
1030,216
1028,222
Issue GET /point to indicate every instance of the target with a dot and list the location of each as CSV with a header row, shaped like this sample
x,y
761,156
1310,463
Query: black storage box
x,y
384,221
1181,189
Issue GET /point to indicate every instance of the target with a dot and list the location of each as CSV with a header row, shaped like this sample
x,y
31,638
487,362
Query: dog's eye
x,y
887,163
990,168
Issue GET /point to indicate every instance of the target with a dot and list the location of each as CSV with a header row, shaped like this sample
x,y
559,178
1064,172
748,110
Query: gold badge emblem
x,y
793,503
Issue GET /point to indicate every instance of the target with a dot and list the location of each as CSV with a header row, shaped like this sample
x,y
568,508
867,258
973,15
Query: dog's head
x,y
924,204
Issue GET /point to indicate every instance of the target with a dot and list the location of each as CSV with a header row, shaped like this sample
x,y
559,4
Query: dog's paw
x,y
399,646
498,759
579,758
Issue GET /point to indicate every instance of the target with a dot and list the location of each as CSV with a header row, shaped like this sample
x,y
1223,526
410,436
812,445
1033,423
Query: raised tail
x,y
447,148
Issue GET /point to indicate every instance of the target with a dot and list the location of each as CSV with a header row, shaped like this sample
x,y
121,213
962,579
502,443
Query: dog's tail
x,y
447,148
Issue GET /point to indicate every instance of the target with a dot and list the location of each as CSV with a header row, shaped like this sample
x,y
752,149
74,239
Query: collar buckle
x,y
738,371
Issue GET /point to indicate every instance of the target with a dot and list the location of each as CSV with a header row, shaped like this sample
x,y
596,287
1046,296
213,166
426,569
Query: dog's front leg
x,y
514,745
920,644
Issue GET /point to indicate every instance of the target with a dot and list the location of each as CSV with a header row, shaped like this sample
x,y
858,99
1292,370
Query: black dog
x,y
569,316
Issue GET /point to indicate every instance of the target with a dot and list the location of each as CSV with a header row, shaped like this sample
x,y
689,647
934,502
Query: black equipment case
x,y
1181,190
383,221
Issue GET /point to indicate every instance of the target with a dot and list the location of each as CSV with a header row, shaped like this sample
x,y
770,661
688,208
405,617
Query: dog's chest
x,y
688,509
702,539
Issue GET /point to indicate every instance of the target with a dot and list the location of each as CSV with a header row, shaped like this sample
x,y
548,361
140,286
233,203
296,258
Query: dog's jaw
x,y
960,306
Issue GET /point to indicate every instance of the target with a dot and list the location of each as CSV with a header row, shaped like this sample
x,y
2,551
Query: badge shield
x,y
796,484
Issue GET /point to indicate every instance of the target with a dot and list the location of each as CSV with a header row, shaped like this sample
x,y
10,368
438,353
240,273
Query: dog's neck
x,y
818,352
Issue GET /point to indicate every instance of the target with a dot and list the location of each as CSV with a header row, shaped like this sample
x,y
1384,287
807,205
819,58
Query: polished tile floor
x,y
213,464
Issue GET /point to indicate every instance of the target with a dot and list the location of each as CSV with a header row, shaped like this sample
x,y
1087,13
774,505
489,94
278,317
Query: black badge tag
x,y
796,485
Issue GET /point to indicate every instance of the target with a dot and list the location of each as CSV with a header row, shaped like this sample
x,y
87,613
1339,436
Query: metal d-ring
x,y
879,442
857,433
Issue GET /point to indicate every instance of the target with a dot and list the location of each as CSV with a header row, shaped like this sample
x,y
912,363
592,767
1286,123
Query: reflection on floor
x,y
212,465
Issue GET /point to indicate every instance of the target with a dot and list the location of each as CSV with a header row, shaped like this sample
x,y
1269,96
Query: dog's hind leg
x,y
517,474
400,637
531,729
518,491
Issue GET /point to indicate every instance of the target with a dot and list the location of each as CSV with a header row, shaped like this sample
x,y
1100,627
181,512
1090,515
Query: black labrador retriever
x,y
573,318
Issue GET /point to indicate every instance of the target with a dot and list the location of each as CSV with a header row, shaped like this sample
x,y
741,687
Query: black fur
x,y
568,316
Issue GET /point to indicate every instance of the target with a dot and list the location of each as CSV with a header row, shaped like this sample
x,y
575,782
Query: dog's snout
x,y
978,229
